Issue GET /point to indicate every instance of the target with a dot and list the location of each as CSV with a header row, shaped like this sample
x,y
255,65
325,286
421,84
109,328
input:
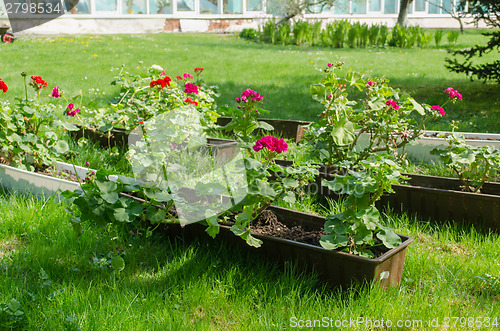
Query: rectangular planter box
x,y
440,199
337,268
28,182
222,149
420,149
289,129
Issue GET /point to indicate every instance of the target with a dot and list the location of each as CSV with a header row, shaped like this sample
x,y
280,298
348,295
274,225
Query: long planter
x,y
338,268
441,199
438,198
222,149
290,129
28,182
419,150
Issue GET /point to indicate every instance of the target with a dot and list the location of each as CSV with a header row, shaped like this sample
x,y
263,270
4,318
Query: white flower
x,y
156,67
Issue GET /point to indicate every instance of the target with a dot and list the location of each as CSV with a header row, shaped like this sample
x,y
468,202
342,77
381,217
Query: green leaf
x,y
121,215
289,197
118,263
334,224
107,186
252,241
290,183
417,106
213,226
60,147
343,132
388,237
155,215
264,126
110,197
160,196
333,241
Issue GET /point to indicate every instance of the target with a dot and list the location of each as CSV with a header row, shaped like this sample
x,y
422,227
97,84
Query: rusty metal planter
x,y
337,268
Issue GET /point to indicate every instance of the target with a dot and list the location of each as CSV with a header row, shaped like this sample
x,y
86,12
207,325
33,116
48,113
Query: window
x,y
160,6
419,5
106,5
232,6
447,6
209,7
134,6
341,7
83,7
254,5
391,7
375,5
358,7
185,5
434,7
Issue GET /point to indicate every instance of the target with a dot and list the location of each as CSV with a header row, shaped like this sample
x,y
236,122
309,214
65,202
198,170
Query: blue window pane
x,y
209,7
390,7
341,7
433,8
359,7
419,5
185,5
375,5
447,6
134,6
232,6
254,5
160,6
105,5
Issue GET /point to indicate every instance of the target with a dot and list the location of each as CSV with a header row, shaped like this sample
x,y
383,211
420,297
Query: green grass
x,y
64,282
281,73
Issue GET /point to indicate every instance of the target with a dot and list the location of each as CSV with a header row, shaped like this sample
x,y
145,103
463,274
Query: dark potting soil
x,y
267,223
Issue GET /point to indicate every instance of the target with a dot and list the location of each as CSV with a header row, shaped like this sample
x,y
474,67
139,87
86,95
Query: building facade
x,y
129,16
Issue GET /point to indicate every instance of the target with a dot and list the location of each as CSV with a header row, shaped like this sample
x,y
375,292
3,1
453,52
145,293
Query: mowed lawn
x,y
282,74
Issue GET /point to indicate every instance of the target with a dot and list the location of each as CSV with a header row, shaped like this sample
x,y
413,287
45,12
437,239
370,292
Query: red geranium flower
x,y
38,83
192,102
3,86
198,70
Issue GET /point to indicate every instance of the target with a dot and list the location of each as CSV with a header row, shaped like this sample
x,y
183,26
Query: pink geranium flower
x,y
439,108
392,103
55,92
273,144
188,75
453,94
190,88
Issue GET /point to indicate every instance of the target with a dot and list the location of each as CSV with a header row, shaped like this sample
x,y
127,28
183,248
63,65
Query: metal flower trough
x,y
337,268
28,182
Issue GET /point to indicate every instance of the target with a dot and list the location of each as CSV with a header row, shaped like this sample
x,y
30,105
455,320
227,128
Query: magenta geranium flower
x,y
190,88
453,94
273,144
55,92
249,94
71,106
370,83
392,103
439,108
188,75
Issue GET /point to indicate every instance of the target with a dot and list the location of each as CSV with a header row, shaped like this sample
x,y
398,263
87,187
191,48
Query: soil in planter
x,y
267,223
61,174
